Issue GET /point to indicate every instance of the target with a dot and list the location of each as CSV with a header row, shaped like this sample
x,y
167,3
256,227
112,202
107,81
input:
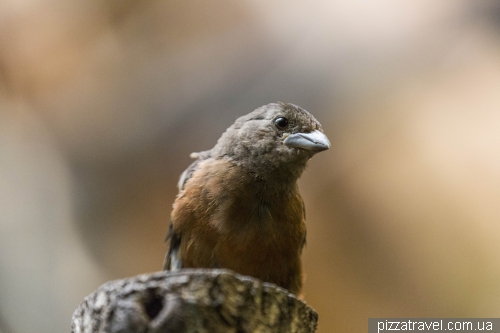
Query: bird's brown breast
x,y
229,218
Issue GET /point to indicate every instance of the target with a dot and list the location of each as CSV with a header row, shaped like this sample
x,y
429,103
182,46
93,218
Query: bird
x,y
239,205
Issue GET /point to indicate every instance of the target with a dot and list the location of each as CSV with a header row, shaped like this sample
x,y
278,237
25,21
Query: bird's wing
x,y
304,242
188,173
173,257
172,260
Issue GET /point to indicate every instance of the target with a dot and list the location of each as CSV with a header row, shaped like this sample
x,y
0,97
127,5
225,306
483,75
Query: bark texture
x,y
192,300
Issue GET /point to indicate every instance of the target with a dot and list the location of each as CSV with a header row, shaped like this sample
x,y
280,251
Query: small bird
x,y
239,205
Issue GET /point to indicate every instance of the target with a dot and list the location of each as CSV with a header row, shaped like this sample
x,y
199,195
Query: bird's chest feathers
x,y
241,212
253,218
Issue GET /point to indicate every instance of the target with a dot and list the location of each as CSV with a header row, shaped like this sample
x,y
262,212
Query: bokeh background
x,y
101,103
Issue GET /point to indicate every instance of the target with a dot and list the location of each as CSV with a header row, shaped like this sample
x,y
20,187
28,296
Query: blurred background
x,y
101,103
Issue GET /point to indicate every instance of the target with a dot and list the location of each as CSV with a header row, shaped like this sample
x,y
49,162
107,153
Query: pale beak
x,y
314,141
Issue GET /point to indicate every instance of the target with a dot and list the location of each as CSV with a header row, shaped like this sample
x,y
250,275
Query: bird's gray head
x,y
275,139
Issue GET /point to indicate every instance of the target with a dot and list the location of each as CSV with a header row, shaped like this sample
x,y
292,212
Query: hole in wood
x,y
153,303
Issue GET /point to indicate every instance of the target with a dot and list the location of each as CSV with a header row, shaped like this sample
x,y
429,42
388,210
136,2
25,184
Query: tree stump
x,y
192,300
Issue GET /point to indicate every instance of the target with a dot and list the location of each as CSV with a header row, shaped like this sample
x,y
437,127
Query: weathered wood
x,y
192,300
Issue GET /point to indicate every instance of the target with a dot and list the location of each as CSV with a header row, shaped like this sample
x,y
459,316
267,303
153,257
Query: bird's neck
x,y
273,171
272,184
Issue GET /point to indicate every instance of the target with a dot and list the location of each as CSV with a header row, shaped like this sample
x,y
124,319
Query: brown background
x,y
101,103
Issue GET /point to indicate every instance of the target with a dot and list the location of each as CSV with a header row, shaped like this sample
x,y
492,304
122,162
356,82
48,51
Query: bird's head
x,y
278,138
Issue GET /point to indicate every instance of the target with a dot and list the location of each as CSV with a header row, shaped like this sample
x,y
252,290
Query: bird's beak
x,y
314,141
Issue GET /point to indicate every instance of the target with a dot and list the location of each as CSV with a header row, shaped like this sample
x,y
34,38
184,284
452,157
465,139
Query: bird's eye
x,y
281,123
